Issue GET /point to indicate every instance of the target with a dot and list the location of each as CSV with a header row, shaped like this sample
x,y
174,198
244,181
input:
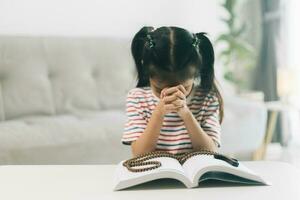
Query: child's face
x,y
157,87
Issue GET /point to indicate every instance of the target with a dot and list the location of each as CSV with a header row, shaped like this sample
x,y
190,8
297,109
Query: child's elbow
x,y
137,150
133,149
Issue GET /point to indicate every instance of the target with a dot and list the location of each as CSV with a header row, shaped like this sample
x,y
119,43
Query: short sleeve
x,y
136,122
210,121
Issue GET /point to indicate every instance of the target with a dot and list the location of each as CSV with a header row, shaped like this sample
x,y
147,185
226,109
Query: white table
x,y
89,182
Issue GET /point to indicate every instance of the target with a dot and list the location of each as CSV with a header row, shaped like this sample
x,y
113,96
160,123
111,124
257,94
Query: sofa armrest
x,y
244,126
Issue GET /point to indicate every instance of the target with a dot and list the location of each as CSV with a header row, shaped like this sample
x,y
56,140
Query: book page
x,y
222,176
170,168
167,164
192,165
204,163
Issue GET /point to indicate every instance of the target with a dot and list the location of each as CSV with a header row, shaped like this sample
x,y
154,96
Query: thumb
x,y
162,93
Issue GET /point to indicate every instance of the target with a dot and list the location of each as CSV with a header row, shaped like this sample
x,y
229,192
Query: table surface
x,y
88,182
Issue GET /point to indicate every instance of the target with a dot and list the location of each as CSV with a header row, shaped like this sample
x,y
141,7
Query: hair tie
x,y
196,41
150,40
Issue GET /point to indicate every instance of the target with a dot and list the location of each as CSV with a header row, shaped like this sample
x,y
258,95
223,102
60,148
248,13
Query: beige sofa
x,y
62,101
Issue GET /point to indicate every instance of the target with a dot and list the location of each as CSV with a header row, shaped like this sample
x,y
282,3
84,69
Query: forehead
x,y
161,78
161,84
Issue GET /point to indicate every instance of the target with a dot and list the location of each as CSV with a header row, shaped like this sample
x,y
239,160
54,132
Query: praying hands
x,y
174,100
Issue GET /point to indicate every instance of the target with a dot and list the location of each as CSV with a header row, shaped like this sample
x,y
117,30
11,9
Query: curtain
x,y
266,70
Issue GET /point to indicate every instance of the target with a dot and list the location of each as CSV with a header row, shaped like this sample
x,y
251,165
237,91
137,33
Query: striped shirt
x,y
173,138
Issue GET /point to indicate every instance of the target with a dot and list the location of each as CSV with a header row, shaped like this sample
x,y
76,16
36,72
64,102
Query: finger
x,y
180,95
182,89
178,103
169,98
161,95
163,92
171,90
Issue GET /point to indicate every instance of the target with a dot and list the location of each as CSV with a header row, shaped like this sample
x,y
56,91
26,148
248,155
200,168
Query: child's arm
x,y
199,137
147,141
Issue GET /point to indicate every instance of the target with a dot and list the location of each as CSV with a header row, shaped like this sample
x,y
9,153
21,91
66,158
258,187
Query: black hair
x,y
171,56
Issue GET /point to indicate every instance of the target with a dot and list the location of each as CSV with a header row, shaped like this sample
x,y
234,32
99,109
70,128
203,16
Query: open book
x,y
194,170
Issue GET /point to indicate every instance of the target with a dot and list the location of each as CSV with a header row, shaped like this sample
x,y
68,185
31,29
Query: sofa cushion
x,y
24,86
87,137
54,75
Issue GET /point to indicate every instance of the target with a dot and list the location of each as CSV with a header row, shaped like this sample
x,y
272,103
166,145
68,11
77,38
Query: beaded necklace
x,y
140,160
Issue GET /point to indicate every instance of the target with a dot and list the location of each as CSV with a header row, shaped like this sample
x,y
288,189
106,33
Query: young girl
x,y
176,106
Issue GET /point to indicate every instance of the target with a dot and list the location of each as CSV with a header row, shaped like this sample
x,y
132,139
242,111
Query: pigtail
x,y
138,50
206,69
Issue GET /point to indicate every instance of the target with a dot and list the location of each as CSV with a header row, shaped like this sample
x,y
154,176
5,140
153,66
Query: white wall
x,y
113,17
121,18
293,33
